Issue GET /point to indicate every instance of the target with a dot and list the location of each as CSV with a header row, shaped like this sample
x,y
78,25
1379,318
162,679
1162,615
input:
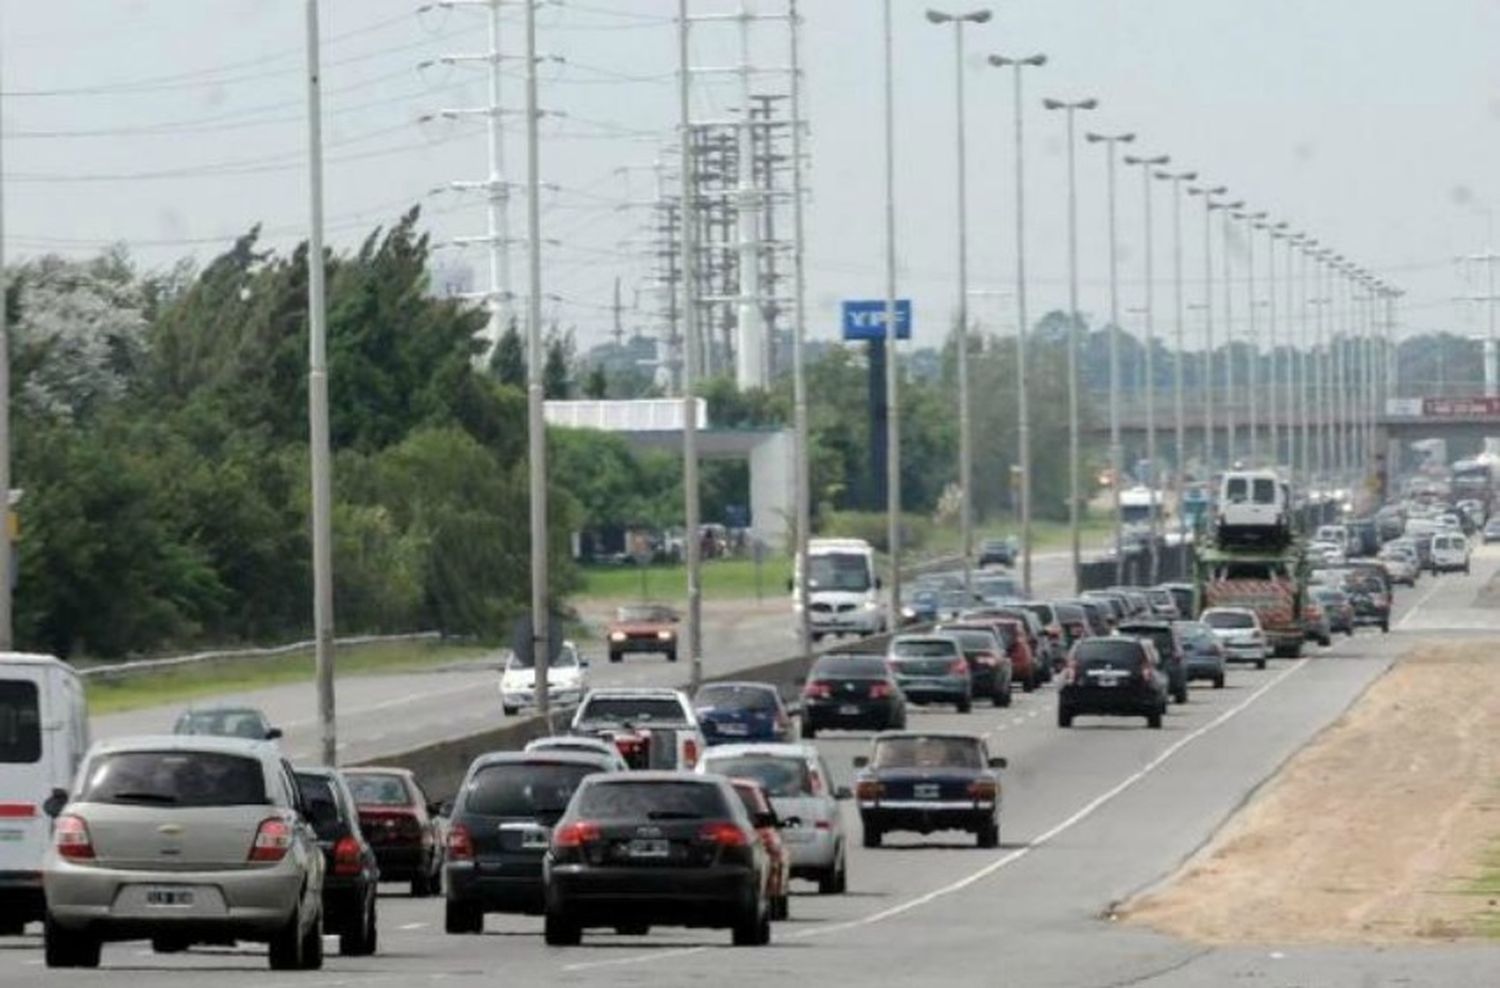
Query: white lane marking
x,y
412,926
399,701
1436,586
1005,861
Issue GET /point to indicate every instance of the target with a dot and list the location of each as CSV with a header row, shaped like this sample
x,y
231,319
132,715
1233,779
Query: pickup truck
x,y
651,728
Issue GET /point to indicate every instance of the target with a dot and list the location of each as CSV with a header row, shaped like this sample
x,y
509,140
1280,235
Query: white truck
x,y
652,728
44,733
843,591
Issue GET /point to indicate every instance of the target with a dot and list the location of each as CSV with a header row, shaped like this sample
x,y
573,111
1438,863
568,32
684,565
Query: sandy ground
x,y
1375,833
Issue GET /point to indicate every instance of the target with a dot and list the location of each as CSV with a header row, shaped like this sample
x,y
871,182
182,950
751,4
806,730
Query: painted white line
x,y
412,926
1017,721
1436,586
1005,861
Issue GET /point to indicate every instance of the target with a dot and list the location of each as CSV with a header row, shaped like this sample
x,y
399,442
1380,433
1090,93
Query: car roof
x,y
224,708
189,742
632,691
379,770
750,750
32,659
953,735
654,775
553,757
1144,623
741,684
1229,610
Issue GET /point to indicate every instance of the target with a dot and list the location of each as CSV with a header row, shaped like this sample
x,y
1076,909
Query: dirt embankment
x,y
1379,831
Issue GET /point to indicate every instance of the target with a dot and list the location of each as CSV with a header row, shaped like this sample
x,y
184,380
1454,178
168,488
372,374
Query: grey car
x,y
1202,654
182,840
932,669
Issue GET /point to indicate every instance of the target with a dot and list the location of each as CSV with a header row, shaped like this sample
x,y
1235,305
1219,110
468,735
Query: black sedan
x,y
642,849
1114,676
1169,649
851,691
927,782
351,876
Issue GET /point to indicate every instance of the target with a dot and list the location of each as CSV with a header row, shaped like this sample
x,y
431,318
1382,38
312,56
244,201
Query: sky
x,y
173,125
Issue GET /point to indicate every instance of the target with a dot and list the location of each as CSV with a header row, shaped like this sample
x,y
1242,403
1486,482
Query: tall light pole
x,y
1231,419
1252,221
1075,466
1116,453
536,422
965,424
1207,383
1023,422
1291,318
319,450
1273,407
892,378
7,549
1146,164
1181,349
802,476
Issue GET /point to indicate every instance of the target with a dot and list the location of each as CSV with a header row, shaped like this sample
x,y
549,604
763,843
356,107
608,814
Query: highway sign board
x,y
864,319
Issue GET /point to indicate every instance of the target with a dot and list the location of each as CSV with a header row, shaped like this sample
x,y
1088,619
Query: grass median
x,y
238,675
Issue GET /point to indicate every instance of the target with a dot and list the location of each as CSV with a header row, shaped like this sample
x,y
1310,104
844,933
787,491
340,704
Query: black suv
x,y
851,691
1169,651
350,875
1114,676
499,828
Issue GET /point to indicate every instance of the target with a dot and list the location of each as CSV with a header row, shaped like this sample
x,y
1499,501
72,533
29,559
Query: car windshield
x,y
378,789
779,775
916,648
1108,653
845,571
248,724
644,614
1228,619
174,778
567,658
736,697
632,710
996,587
523,790
1161,638
849,667
20,722
927,752
976,640
656,799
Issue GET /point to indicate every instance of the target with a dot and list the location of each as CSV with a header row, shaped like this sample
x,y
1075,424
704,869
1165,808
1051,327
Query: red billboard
x,y
1461,408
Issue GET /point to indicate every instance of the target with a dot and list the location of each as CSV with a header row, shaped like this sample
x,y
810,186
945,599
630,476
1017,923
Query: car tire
x,y
1326,641
1153,720
462,918
559,930
66,948
835,881
363,941
809,730
672,655
989,835
285,948
1180,695
1385,626
615,656
1064,717
781,907
510,710
1003,698
312,947
1028,685
633,930
1219,681
872,836
753,928
965,705
1260,663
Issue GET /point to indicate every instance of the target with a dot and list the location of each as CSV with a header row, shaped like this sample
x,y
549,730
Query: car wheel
x,y
753,929
615,656
462,917
362,942
1153,720
1028,685
872,836
989,835
1385,626
1002,698
672,655
1260,663
1219,681
421,887
633,930
285,953
809,731
835,880
780,907
1064,717
312,947
1326,641
510,710
66,948
558,930
1180,695
168,945
965,705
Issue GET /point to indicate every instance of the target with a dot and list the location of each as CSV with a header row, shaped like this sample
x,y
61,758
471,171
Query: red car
x,y
1023,664
401,824
758,805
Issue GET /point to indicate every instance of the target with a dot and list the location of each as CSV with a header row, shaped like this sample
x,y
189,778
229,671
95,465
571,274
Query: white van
x,y
44,733
1450,552
843,592
1253,509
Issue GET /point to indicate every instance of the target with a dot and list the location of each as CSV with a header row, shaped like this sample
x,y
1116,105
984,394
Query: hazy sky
x,y
172,125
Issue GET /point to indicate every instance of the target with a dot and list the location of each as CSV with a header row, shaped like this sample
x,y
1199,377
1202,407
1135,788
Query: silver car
x,y
805,800
183,840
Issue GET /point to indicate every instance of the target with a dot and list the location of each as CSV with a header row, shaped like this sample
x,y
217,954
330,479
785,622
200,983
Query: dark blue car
x,y
921,607
737,712
926,782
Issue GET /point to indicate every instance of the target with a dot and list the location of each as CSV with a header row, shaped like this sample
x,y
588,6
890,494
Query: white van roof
x,y
34,659
847,545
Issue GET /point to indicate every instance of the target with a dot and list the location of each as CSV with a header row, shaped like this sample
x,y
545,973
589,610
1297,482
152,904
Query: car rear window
x,y
20,722
780,776
651,800
635,709
1108,653
322,805
923,648
523,790
1160,637
1228,619
927,752
174,778
736,698
378,789
974,639
849,667
246,724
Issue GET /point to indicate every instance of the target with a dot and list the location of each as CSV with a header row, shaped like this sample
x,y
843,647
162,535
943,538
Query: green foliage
x,y
916,530
557,372
508,361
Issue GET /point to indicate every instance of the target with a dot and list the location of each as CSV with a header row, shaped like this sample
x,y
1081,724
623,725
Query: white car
x,y
804,796
567,680
1327,553
1238,630
1450,552
1400,564
587,746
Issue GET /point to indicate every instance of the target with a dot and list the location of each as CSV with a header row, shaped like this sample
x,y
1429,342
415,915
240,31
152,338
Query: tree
x,y
597,385
556,371
508,361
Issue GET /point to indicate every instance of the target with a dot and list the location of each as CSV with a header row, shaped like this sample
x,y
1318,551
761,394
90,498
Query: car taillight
x,y
689,752
460,843
272,839
868,789
576,834
724,833
987,659
879,691
70,835
346,856
1054,633
960,667
984,790
823,825
817,690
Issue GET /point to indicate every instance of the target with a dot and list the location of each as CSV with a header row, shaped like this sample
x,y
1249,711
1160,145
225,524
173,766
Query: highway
x,y
1092,815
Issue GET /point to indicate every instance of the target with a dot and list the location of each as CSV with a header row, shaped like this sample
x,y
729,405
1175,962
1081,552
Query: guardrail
x,y
136,667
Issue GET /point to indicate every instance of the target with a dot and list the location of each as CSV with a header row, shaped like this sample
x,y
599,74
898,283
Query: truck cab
x,y
843,591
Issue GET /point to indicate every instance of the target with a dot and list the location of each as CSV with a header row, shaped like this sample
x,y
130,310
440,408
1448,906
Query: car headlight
x,y
872,605
617,636
664,634
908,613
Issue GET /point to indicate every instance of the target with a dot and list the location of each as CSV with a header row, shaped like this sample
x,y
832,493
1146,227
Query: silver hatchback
x,y
184,840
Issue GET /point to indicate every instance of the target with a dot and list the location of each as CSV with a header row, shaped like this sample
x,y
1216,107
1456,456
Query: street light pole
x,y
317,404
1273,407
892,379
1207,382
1023,423
1116,452
1231,419
1154,489
1075,492
688,210
1177,358
802,477
965,423
7,547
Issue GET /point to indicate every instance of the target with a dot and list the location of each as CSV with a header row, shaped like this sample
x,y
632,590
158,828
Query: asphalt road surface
x,y
380,715
1091,816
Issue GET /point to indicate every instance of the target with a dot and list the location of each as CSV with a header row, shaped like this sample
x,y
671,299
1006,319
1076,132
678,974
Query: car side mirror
x,y
54,803
583,663
861,761
790,585
879,583
445,808
843,792
999,763
273,733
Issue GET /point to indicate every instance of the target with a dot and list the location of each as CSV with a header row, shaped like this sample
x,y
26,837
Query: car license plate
x,y
169,897
536,837
644,848
736,730
849,710
925,790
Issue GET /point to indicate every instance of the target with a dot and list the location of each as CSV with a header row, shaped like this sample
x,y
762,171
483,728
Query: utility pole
x,y
1154,489
892,377
1274,408
8,571
1207,385
1252,222
1180,423
317,403
802,477
688,211
1231,419
750,352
